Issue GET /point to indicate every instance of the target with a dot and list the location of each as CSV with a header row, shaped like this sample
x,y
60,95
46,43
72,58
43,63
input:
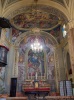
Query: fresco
x,y
36,63
31,62
51,65
6,31
15,34
57,33
35,60
31,19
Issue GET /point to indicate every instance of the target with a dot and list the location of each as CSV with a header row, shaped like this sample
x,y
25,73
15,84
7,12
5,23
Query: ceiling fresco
x,y
39,19
45,18
56,32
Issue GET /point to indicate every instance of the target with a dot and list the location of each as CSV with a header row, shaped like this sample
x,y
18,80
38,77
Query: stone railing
x,y
59,97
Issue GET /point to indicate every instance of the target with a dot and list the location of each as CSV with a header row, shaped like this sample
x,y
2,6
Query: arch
x,y
29,33
10,9
44,62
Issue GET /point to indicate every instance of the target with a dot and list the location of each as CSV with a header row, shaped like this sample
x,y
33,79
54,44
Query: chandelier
x,y
36,46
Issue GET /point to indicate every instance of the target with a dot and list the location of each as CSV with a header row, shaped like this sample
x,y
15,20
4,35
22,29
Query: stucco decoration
x,y
10,2
67,2
60,2
2,1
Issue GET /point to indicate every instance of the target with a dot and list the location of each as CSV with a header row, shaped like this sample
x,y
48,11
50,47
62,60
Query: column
x,y
71,45
57,74
9,68
16,62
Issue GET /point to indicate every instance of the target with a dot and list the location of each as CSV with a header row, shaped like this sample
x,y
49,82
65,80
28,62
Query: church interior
x,y
36,49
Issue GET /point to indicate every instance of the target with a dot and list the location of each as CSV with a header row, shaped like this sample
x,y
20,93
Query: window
x,y
64,31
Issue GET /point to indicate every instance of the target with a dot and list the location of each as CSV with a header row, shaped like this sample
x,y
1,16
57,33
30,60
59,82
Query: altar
x,y
36,88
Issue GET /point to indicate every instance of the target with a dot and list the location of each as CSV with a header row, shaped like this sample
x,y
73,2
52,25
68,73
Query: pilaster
x,y
16,62
71,44
57,74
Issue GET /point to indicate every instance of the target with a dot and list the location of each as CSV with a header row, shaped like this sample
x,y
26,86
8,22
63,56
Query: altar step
x,y
36,98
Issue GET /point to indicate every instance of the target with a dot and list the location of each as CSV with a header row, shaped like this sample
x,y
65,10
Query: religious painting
x,y
30,19
36,63
15,34
51,66
6,31
56,32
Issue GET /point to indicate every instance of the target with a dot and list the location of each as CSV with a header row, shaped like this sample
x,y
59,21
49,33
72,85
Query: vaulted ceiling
x,y
59,9
10,2
65,6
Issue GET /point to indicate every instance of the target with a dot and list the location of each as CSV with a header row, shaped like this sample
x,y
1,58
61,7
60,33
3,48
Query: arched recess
x,y
51,63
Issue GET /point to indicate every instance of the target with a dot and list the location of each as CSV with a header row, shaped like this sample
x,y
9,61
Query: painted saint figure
x,y
36,63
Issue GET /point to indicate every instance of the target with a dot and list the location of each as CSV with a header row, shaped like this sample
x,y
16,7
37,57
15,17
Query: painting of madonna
x,y
36,63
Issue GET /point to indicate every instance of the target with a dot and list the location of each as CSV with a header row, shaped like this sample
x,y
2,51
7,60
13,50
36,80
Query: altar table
x,y
36,89
37,92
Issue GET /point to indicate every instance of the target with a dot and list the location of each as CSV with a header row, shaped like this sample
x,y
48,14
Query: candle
x,y
31,75
47,75
41,75
36,75
28,75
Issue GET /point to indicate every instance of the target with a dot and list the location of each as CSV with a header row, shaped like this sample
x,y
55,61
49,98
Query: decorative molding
x,y
60,2
40,7
67,2
51,38
10,2
3,1
70,24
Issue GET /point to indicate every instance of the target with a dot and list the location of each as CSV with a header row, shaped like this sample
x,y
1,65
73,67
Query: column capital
x,y
70,24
